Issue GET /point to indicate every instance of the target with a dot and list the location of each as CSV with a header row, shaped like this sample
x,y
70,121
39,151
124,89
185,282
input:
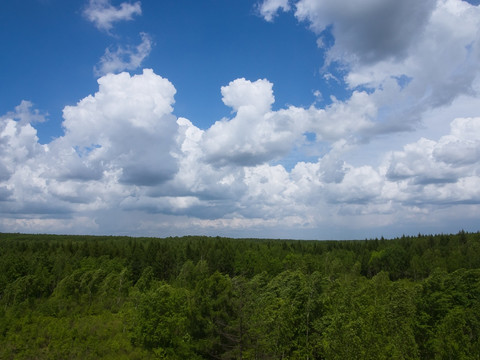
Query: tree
x,y
163,322
212,312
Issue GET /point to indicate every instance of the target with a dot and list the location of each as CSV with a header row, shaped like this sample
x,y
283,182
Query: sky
x,y
303,119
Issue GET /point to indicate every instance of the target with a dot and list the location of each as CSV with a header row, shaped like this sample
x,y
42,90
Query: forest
x,y
195,297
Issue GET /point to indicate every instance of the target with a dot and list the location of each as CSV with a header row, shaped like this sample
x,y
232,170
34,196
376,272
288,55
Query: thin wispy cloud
x,y
103,14
269,8
26,114
124,57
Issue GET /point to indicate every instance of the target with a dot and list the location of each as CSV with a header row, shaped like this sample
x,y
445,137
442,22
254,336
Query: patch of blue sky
x,y
208,52
86,150
403,80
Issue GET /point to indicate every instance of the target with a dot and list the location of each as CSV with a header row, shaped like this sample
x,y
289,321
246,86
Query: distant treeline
x,y
195,297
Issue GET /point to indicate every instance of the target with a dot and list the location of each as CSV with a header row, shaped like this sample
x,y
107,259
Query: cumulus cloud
x,y
447,160
18,144
126,126
255,134
369,31
411,56
23,190
116,142
442,63
124,58
366,32
125,155
103,14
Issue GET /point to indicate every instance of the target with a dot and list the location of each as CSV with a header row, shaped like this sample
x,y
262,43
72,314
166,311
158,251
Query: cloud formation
x,y
124,58
25,114
124,151
269,8
440,162
370,31
103,14
121,58
126,128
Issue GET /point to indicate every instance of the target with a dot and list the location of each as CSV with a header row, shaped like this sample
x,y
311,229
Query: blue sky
x,y
271,118
199,46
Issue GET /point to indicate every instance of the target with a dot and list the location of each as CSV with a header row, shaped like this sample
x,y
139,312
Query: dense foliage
x,y
81,297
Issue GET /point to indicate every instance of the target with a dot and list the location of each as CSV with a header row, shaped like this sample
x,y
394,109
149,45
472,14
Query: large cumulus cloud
x,y
255,134
126,127
124,155
121,138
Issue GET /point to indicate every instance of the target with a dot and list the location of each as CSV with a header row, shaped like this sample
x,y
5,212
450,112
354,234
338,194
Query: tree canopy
x,y
194,297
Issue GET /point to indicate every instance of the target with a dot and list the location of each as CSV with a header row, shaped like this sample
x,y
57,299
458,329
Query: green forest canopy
x,y
86,297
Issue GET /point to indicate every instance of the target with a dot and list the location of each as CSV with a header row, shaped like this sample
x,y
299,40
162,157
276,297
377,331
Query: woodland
x,y
195,297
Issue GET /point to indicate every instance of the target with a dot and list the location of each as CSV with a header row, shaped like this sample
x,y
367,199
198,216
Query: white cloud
x,y
124,58
245,96
347,119
125,156
448,160
269,8
412,56
115,60
217,188
126,126
103,14
442,62
116,142
361,185
18,145
256,134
